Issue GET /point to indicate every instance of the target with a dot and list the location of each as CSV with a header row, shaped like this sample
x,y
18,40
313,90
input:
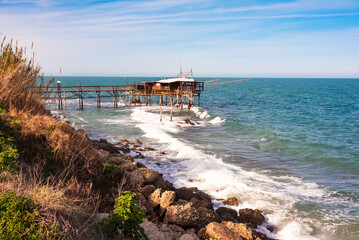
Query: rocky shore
x,y
178,213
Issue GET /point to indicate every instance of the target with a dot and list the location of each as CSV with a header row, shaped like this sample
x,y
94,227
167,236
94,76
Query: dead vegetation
x,y
60,170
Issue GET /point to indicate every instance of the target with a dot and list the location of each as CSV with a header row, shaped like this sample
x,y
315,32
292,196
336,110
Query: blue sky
x,y
299,38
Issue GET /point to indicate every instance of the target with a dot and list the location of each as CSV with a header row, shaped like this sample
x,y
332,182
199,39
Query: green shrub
x,y
18,220
109,169
8,154
51,127
3,110
15,124
126,216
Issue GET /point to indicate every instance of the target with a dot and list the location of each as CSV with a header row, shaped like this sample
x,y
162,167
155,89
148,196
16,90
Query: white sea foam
x,y
217,121
192,167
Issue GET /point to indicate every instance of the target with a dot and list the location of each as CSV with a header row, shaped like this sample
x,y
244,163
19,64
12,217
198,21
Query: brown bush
x,y
19,79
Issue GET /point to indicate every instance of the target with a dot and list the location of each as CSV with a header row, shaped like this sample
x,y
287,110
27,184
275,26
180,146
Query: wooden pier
x,y
177,92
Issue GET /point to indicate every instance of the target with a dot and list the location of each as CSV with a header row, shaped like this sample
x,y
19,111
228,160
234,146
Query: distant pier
x,y
177,91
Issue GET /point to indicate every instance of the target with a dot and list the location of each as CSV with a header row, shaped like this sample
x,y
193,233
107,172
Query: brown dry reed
x,y
60,168
19,79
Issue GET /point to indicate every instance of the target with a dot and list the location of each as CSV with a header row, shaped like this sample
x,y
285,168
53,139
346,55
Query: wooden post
x,y
171,102
59,95
65,100
161,113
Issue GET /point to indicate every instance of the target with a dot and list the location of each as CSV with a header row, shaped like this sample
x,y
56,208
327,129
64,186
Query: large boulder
x,y
189,193
206,216
220,231
223,210
244,231
106,146
147,190
164,184
186,216
185,193
182,215
253,216
155,198
167,199
201,203
227,214
143,176
229,230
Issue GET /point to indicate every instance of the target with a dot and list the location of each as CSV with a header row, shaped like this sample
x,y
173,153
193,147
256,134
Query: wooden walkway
x,y
141,93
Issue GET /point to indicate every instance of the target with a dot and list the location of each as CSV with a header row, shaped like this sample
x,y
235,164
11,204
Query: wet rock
x,y
244,231
187,121
162,153
270,228
155,198
128,158
201,203
143,176
231,201
124,149
147,190
203,196
139,165
107,146
139,155
148,149
223,211
137,141
230,230
248,215
125,141
184,193
167,199
102,140
165,185
206,216
220,231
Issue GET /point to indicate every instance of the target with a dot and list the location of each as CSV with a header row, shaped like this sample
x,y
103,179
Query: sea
x,y
289,147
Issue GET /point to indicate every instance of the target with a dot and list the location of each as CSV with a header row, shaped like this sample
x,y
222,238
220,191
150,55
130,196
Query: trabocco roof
x,y
172,80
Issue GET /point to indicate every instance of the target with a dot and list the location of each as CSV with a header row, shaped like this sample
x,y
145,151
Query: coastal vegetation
x,y
57,183
50,175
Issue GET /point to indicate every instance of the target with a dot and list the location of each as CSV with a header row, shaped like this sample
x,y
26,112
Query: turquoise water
x,y
287,146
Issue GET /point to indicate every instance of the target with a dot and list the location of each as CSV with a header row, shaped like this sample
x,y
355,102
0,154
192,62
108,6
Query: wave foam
x,y
193,167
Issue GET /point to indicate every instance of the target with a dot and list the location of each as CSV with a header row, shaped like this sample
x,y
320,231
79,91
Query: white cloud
x,y
148,37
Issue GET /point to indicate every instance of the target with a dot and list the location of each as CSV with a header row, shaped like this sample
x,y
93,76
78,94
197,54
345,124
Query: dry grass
x,y
71,147
60,169
19,77
72,214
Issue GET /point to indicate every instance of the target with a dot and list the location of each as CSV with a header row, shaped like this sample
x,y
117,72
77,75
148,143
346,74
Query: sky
x,y
216,38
